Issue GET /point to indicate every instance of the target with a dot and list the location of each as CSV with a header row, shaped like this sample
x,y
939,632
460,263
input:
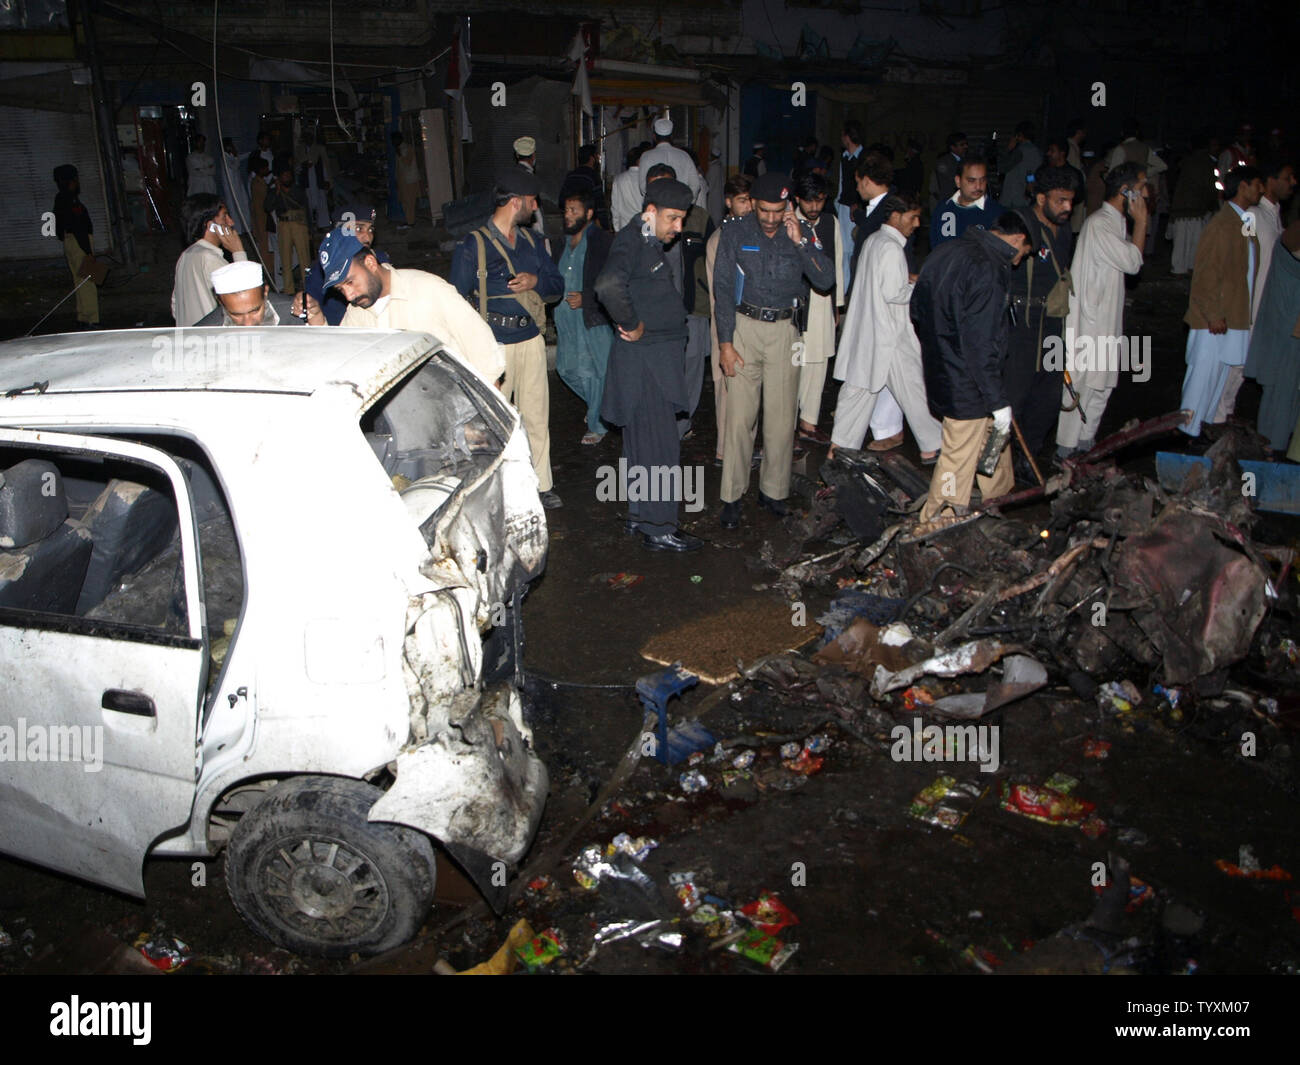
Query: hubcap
x,y
323,887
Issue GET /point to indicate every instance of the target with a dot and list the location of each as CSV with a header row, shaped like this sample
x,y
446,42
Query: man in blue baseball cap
x,y
381,297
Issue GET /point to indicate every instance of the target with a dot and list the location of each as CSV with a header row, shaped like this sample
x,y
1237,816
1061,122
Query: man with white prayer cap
x,y
244,298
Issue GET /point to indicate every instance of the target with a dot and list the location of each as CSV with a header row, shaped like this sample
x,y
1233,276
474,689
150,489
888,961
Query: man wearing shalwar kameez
x,y
1096,316
583,332
879,346
1218,307
1274,356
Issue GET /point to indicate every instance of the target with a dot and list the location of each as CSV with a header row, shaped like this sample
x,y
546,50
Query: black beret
x,y
669,194
772,187
519,182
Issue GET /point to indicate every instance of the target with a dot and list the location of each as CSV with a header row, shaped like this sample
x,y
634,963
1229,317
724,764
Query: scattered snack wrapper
x,y
805,762
1094,827
1119,696
637,849
541,950
769,914
1062,782
1139,893
928,805
917,696
1048,805
1173,696
164,952
765,950
1276,872
713,920
692,781
590,866
687,891
1095,748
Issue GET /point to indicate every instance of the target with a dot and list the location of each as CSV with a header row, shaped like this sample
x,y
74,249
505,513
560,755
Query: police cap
x,y
771,188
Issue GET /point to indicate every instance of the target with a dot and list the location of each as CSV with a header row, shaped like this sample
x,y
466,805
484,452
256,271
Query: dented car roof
x,y
361,362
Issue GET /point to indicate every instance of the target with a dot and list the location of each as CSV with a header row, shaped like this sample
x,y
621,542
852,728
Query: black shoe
x,y
678,541
551,499
731,514
1023,472
776,506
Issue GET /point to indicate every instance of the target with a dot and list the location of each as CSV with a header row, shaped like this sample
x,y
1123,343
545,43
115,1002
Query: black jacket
x,y
697,228
598,244
848,183
959,309
636,285
863,227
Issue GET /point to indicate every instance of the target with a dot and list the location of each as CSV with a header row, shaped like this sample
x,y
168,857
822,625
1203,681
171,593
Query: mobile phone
x,y
218,230
1130,195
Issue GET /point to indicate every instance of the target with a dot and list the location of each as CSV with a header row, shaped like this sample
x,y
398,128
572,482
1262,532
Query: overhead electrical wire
x,y
334,99
267,272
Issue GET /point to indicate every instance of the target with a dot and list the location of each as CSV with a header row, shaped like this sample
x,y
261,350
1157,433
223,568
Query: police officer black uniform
x,y
1034,391
645,385
758,288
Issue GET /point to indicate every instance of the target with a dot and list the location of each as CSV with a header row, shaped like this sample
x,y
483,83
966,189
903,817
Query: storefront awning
x,y
649,92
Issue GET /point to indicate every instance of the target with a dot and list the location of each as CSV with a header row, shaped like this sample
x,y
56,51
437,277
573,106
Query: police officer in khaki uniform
x,y
758,288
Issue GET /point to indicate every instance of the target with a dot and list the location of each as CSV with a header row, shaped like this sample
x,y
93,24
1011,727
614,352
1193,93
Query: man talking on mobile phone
x,y
758,288
211,232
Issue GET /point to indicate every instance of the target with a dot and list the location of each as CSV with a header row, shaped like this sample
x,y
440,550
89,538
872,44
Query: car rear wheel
x,y
307,870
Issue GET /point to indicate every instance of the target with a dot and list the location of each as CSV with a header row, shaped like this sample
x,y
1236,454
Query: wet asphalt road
x,y
874,890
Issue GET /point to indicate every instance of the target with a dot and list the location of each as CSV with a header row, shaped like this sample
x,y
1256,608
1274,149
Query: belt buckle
x,y
768,314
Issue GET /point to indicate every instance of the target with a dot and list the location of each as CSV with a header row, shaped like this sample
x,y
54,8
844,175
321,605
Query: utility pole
x,y
109,149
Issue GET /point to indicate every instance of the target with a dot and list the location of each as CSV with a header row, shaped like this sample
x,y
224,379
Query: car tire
x,y
306,870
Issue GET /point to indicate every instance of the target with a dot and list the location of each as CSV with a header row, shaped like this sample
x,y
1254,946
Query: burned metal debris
x,y
1118,578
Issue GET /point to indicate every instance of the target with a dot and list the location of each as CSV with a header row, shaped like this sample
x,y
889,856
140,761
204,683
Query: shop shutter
x,y
32,144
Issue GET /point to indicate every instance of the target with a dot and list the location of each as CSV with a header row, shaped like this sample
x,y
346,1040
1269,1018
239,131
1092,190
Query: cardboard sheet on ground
x,y
710,646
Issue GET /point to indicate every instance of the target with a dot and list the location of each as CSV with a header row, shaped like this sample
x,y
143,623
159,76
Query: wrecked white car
x,y
260,589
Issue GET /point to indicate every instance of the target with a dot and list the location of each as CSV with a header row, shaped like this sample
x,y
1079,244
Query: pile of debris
x,y
1115,578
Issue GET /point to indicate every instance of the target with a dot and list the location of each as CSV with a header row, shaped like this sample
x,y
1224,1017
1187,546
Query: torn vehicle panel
x,y
1197,599
475,782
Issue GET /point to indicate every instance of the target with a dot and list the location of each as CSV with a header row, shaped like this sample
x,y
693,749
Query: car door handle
x,y
125,702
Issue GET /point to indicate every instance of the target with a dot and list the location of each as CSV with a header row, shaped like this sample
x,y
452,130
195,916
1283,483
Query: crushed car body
x,y
308,551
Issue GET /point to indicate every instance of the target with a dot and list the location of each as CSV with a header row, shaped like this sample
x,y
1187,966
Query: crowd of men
x,y
1011,328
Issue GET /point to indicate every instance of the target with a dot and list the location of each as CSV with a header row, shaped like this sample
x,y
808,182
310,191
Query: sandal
x,y
593,438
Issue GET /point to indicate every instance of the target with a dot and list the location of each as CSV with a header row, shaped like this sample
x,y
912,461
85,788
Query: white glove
x,y
1002,419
